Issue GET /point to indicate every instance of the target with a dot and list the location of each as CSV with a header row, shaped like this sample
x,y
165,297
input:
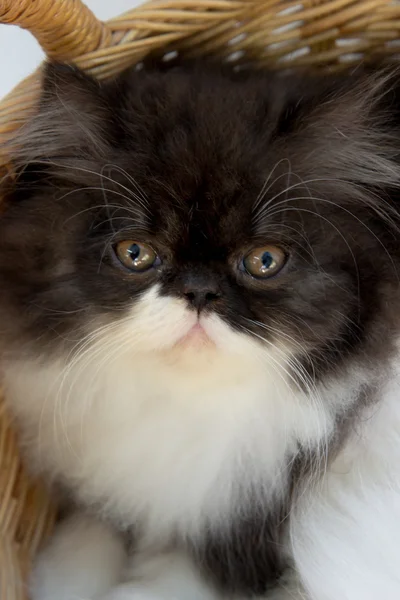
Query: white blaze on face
x,y
161,323
157,322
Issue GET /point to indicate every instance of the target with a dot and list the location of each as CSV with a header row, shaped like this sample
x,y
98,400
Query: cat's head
x,y
194,211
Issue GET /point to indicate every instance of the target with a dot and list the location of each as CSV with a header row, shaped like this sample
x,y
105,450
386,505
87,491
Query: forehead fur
x,y
205,140
214,146
243,124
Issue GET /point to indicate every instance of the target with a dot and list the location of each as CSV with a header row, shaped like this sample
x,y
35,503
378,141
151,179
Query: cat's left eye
x,y
264,262
136,256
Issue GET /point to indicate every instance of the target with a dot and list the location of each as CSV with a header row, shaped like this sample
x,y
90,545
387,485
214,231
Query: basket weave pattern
x,y
325,34
26,515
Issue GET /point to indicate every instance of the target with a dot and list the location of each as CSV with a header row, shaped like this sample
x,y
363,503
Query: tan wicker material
x,y
320,33
26,515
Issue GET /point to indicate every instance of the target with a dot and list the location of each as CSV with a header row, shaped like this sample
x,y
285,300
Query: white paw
x,y
83,561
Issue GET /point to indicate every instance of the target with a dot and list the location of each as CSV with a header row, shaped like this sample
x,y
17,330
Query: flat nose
x,y
200,294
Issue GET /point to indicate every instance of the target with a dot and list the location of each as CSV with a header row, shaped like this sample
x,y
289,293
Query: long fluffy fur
x,y
262,460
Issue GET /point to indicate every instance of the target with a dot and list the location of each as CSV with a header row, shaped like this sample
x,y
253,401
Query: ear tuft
x,y
64,80
73,119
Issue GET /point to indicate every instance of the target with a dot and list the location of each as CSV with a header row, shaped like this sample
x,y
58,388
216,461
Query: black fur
x,y
248,557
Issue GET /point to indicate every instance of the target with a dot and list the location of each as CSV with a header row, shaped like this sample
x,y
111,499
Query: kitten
x,y
200,322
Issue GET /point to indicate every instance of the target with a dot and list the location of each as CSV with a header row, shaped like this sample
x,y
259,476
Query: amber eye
x,y
264,262
136,256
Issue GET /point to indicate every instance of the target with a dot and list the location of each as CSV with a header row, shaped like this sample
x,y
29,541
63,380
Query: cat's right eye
x,y
264,262
136,256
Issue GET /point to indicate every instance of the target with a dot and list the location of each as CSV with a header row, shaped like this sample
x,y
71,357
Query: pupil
x,y
134,251
267,260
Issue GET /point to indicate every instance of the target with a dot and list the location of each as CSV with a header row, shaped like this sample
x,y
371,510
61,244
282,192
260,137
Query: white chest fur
x,y
168,443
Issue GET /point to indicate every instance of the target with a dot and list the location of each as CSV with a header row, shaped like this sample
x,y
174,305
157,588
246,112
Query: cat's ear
x,y
70,89
72,120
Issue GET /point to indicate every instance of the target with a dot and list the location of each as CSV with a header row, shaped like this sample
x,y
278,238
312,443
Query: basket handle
x,y
65,29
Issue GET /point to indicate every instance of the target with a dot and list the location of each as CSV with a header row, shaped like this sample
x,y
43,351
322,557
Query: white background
x,y
20,54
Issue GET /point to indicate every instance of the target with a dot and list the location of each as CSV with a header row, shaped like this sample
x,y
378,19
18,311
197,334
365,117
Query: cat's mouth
x,y
196,337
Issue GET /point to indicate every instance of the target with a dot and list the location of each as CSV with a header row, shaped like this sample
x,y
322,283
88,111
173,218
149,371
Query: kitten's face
x,y
186,213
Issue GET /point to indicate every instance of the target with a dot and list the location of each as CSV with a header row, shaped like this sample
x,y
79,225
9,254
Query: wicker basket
x,y
327,34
